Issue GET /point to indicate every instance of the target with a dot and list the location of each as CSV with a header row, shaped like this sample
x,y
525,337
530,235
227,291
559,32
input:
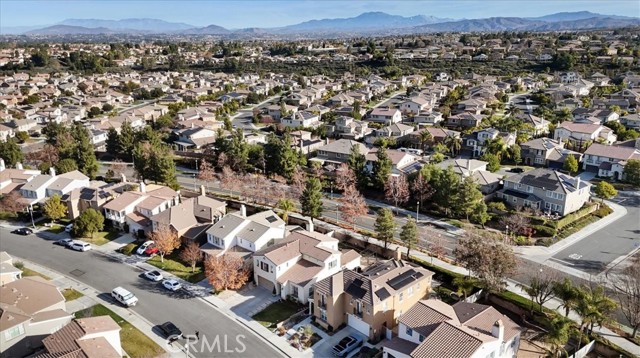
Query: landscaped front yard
x,y
70,294
175,266
134,342
26,272
277,312
102,237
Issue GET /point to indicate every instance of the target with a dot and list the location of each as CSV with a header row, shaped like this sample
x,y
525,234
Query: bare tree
x,y
222,160
228,179
540,286
298,181
226,272
436,247
165,240
515,223
345,177
206,173
397,189
421,188
191,254
627,288
352,205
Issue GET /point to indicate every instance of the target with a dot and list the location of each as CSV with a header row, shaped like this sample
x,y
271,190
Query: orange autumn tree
x,y
166,240
226,272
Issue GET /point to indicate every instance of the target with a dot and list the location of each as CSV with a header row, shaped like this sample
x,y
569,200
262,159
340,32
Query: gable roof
x,y
549,180
613,151
343,146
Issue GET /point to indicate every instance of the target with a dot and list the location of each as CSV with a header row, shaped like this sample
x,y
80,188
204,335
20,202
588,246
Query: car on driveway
x,y
79,245
171,285
143,247
153,275
151,250
64,242
517,170
347,345
170,330
68,228
23,231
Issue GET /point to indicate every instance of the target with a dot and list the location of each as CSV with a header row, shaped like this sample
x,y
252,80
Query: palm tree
x,y
496,146
567,293
287,206
425,137
558,335
454,144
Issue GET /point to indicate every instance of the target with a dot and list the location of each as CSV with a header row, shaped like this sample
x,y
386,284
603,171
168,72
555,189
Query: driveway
x,y
250,300
324,348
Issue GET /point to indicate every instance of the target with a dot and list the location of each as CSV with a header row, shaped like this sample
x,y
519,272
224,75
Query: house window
x,y
14,332
410,291
529,189
295,291
333,264
401,297
409,331
323,315
264,266
539,161
421,338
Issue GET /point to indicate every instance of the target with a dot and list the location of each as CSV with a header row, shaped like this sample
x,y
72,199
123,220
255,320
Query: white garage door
x,y
265,283
360,325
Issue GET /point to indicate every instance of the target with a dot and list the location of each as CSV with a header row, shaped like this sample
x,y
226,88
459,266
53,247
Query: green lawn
x,y
102,237
70,294
277,312
26,272
134,342
56,229
174,265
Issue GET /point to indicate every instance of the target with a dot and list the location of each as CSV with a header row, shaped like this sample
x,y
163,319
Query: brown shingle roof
x,y
448,340
426,315
300,273
613,151
484,319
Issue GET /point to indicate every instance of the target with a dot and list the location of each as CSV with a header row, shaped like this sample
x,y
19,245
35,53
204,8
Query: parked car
x,y
517,170
143,247
346,345
170,330
23,231
151,250
80,245
153,275
123,296
64,242
68,228
171,285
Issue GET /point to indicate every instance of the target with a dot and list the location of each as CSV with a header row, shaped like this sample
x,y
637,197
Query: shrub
x,y
603,211
128,249
521,240
497,205
543,230
19,265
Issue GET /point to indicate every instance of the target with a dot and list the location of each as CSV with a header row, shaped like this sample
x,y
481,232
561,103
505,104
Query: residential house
x,y
242,234
464,120
6,132
31,308
436,135
487,181
432,328
339,151
582,133
546,190
341,99
348,128
304,143
13,179
93,196
428,117
194,138
293,265
8,272
385,115
303,119
393,131
415,105
473,106
475,143
44,186
402,163
546,152
609,160
188,214
631,121
539,125
85,337
275,111
370,301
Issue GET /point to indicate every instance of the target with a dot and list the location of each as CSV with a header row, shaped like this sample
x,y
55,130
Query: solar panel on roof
x,y
404,279
355,290
271,219
383,294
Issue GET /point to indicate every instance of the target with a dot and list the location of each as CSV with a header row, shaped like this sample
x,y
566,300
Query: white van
x,y
123,296
411,151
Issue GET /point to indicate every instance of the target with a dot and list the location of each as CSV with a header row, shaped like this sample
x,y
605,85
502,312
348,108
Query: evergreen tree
x,y
493,162
357,163
112,143
468,197
409,234
11,153
84,155
66,165
479,214
445,185
311,198
381,169
570,164
385,226
631,172
88,223
126,140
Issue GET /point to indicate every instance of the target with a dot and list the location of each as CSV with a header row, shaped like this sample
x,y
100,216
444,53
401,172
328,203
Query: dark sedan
x,y
22,231
170,330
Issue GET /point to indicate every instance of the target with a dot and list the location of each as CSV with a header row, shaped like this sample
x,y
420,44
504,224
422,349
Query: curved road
x,y
157,305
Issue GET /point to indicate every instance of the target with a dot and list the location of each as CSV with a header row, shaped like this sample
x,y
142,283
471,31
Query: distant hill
x,y
208,30
577,15
367,20
70,30
147,25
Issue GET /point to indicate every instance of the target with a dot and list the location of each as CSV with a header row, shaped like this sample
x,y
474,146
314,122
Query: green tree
x,y
311,198
385,226
287,206
409,234
567,293
10,151
453,144
88,223
83,153
22,136
381,169
94,112
631,172
280,157
66,165
570,164
54,209
605,190
558,333
479,214
445,185
493,162
112,142
357,162
468,197
126,140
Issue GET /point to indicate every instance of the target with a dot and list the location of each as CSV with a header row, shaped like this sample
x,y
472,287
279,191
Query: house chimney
x,y
142,187
577,183
310,224
2,167
203,191
52,171
498,330
19,166
123,178
243,211
337,283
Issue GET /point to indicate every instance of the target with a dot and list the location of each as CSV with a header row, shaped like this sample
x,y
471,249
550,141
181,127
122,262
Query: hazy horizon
x,y
263,13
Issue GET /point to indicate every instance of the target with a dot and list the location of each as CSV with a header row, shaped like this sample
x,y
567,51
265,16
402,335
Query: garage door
x,y
360,325
265,283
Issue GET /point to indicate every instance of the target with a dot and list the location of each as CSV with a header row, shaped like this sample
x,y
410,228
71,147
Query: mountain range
x,y
366,23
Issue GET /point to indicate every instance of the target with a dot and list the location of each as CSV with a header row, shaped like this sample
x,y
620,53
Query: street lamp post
x,y
194,182
417,210
507,233
33,223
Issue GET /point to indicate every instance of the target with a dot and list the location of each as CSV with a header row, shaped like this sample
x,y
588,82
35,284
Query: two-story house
x,y
609,160
546,190
31,307
188,214
401,162
194,138
464,120
45,186
474,144
546,152
349,128
339,151
136,207
415,105
432,328
539,125
581,133
301,119
371,301
291,267
385,115
473,106
393,131
84,337
238,232
12,179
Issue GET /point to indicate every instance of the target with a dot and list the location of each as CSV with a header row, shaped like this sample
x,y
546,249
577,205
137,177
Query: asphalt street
x,y
156,304
593,253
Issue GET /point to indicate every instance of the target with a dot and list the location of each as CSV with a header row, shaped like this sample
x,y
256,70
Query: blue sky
x,y
263,13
